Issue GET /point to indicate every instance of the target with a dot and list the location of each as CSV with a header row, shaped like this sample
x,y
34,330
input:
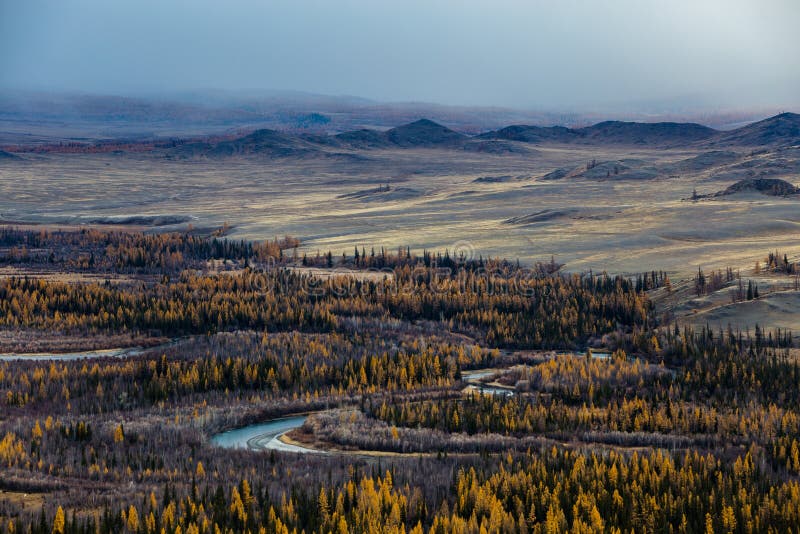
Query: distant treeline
x,y
130,252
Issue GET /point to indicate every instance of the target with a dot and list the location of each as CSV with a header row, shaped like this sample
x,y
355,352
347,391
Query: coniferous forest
x,y
438,393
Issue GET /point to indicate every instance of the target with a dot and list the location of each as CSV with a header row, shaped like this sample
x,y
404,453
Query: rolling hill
x,y
780,130
609,132
643,133
766,186
534,134
424,133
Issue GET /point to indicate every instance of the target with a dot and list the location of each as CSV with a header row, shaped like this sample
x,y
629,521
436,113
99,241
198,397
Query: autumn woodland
x,y
441,393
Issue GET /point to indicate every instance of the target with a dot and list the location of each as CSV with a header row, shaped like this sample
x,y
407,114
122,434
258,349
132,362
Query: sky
x,y
564,54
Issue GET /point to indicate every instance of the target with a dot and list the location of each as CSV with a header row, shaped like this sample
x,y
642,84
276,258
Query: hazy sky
x,y
557,53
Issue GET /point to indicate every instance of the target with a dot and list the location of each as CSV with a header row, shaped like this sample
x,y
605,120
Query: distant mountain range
x,y
28,118
780,130
44,118
777,131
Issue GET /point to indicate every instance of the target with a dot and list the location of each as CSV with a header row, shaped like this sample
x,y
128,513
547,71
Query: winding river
x,y
264,436
473,380
126,352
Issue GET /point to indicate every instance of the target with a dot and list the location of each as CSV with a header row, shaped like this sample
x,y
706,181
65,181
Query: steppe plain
x,y
618,207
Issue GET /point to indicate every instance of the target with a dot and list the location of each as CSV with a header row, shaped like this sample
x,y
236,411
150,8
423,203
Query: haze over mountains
x,y
29,117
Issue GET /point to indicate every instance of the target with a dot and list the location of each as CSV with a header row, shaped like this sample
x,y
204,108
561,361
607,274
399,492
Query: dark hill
x,y
609,132
8,156
780,130
424,133
766,186
421,133
644,133
534,134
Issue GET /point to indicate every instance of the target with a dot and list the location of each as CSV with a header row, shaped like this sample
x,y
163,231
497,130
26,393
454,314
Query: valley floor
x,y
476,203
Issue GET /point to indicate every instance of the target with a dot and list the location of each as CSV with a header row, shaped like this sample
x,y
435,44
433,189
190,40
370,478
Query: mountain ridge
x,y
779,130
773,132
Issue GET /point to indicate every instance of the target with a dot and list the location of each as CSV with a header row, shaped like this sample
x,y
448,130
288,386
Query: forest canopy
x,y
607,418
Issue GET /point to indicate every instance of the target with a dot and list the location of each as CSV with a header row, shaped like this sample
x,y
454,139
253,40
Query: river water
x,y
71,356
126,352
266,436
263,436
